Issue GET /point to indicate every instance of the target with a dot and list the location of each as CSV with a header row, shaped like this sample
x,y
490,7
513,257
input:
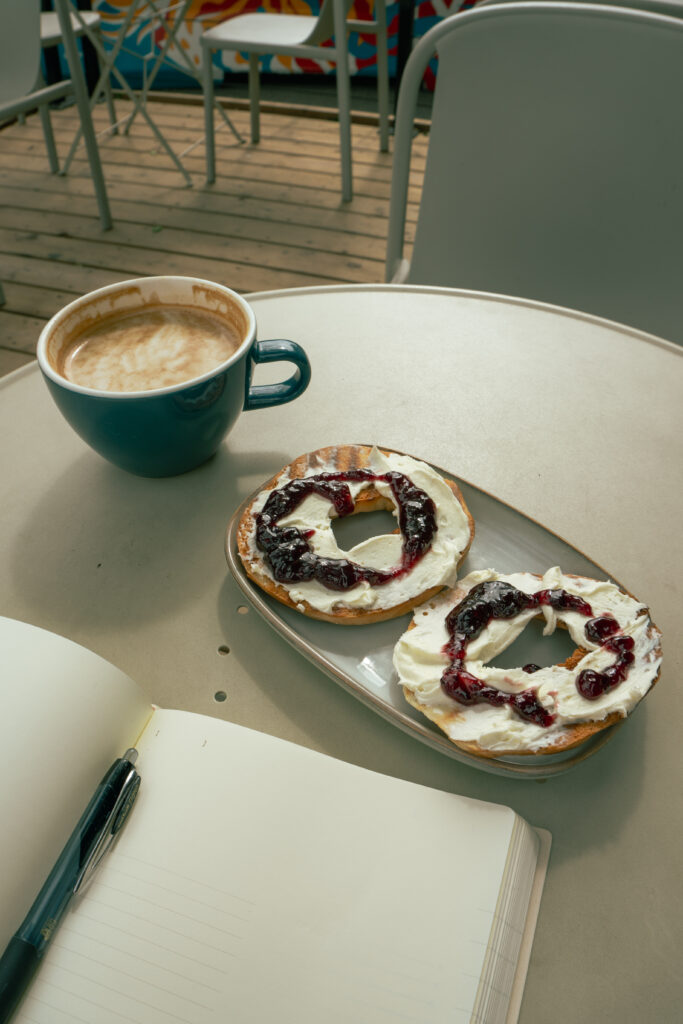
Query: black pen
x,y
99,825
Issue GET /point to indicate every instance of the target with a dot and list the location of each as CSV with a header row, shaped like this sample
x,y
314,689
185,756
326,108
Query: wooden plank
x,y
177,123
20,333
175,120
302,108
279,191
42,272
213,204
33,300
10,360
251,163
210,227
283,185
288,141
237,269
122,150
346,219
282,134
79,239
193,115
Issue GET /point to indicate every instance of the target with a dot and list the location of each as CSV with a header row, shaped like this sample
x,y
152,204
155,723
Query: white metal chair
x,y
153,15
22,89
674,8
165,18
51,35
299,36
555,162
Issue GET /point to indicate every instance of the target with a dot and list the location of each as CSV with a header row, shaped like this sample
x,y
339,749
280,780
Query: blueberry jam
x,y
287,550
495,599
592,685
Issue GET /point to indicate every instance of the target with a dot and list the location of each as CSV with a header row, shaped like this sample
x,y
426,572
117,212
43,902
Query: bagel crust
x,y
444,672
364,603
574,735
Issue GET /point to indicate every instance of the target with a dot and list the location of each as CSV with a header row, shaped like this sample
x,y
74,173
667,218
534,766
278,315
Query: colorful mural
x,y
145,33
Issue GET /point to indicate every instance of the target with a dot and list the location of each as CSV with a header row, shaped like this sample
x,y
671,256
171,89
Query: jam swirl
x,y
287,550
496,599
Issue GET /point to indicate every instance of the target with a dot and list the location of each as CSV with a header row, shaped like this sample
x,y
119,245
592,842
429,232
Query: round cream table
x,y
575,421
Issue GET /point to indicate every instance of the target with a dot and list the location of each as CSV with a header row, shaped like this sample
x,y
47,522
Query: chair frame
x,y
53,39
397,267
108,57
332,22
41,98
160,14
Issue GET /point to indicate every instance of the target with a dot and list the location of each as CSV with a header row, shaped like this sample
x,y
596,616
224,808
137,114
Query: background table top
x,y
572,420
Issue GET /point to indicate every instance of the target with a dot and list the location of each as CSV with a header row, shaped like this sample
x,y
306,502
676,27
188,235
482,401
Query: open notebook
x,y
255,880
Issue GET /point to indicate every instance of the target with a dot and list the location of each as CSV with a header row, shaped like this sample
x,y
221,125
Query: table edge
x,y
462,293
469,293
21,371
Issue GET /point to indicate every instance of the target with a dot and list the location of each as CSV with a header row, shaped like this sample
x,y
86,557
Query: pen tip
x,y
131,755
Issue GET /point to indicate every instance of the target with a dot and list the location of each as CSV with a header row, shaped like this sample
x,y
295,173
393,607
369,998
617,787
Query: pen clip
x,y
110,830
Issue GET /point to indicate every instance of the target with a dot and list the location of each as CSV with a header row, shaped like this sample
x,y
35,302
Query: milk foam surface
x,y
149,349
419,661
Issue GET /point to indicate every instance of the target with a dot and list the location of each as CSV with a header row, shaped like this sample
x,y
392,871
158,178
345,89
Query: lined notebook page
x,y
257,880
66,714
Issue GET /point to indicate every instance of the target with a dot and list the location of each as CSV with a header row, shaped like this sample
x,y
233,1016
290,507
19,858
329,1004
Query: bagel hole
x,y
351,530
532,648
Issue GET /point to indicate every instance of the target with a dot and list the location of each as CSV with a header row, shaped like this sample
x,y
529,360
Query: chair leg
x,y
83,103
110,101
49,138
344,103
207,88
343,98
382,74
255,97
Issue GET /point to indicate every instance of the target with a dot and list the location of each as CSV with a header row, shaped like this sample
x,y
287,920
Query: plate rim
x,y
424,732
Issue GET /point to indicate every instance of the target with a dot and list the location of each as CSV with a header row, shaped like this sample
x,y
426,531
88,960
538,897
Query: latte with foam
x,y
149,348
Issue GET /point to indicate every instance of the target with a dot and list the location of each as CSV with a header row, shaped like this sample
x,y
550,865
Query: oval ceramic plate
x,y
359,658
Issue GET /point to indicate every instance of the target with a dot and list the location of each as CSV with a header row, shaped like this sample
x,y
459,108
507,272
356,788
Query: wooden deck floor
x,y
273,219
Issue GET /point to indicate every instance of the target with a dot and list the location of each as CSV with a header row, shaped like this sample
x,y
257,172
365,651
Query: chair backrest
x,y
324,26
555,162
19,48
672,7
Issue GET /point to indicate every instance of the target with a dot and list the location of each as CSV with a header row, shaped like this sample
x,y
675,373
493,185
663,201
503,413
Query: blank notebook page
x,y
257,880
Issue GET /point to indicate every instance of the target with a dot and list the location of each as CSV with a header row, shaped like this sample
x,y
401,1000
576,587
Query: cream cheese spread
x,y
420,660
437,567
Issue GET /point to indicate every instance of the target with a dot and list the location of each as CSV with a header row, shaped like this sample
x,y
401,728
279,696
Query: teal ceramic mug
x,y
153,373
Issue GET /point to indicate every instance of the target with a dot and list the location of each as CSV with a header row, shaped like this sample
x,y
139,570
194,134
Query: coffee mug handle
x,y
259,396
